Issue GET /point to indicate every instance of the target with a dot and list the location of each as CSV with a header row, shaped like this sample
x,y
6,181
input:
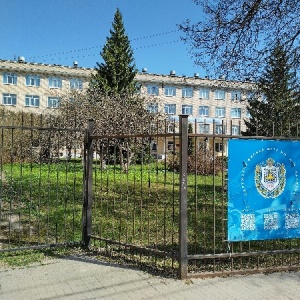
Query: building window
x,y
32,80
76,84
9,99
53,102
9,78
54,82
203,111
152,108
219,95
187,92
219,147
152,90
32,100
235,130
170,145
220,129
204,128
248,114
220,112
170,91
236,96
171,127
187,109
138,88
204,93
235,113
170,109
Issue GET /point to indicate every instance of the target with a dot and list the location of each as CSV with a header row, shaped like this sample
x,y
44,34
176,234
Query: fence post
x,y
183,132
87,189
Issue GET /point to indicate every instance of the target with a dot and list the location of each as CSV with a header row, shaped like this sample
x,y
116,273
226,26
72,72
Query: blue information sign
x,y
263,189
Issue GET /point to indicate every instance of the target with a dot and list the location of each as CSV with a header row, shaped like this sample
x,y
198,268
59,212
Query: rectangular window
x,y
170,145
170,109
32,80
204,93
235,130
53,102
219,95
220,112
32,100
235,113
9,78
152,90
187,109
170,91
204,128
54,82
152,108
248,114
76,84
171,127
187,92
203,111
219,147
9,99
220,129
236,96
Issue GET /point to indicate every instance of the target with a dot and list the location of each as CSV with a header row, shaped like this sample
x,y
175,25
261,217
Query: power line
x,y
94,54
95,47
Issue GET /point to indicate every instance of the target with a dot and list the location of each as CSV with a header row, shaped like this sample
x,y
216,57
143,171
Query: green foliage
x,y
115,76
275,109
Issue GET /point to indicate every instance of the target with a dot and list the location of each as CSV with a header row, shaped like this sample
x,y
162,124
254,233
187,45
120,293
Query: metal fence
x,y
41,182
119,195
171,214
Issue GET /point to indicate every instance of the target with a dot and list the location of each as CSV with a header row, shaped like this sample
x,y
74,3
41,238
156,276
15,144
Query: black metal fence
x,y
41,182
171,214
157,198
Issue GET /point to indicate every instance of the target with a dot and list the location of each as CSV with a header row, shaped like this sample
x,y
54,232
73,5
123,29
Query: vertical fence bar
x,y
88,181
183,132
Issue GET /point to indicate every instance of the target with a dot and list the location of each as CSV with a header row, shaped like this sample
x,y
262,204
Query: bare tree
x,y
236,36
115,118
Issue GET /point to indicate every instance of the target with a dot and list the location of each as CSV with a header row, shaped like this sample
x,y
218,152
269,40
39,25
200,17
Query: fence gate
x,y
41,183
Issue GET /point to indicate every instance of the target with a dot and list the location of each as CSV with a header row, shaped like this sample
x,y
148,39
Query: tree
x,y
275,111
115,76
191,143
236,36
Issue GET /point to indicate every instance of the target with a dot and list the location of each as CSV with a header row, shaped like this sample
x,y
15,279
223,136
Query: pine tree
x,y
275,112
115,76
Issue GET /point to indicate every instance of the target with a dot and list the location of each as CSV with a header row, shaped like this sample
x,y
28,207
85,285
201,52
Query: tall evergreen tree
x,y
115,76
275,112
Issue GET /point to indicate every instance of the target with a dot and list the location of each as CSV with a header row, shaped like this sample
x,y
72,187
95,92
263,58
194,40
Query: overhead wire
x,y
95,47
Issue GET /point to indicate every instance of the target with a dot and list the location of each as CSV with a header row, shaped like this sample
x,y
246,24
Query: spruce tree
x,y
275,111
115,75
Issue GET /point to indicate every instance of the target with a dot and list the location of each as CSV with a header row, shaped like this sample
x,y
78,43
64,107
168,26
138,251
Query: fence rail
x,y
157,199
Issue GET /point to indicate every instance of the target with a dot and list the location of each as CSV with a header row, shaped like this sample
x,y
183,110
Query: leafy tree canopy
x,y
115,75
236,36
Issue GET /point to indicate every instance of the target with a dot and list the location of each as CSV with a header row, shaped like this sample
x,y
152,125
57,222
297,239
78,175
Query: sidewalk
x,y
83,278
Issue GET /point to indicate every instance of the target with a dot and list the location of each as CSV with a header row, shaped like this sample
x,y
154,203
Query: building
x,y
217,106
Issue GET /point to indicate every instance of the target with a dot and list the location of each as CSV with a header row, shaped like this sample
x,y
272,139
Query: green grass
x,y
44,205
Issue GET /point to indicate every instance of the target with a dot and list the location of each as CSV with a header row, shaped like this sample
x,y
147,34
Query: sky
x,y
64,31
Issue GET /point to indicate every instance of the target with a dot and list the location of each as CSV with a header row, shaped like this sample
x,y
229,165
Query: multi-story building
x,y
217,106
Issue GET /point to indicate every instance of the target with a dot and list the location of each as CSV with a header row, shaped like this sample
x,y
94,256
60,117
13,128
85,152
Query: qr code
x,y
271,221
292,220
248,222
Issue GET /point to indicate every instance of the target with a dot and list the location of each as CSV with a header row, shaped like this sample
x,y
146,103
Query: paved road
x,y
83,278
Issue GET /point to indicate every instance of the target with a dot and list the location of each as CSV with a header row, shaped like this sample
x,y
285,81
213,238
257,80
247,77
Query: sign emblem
x,y
270,178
